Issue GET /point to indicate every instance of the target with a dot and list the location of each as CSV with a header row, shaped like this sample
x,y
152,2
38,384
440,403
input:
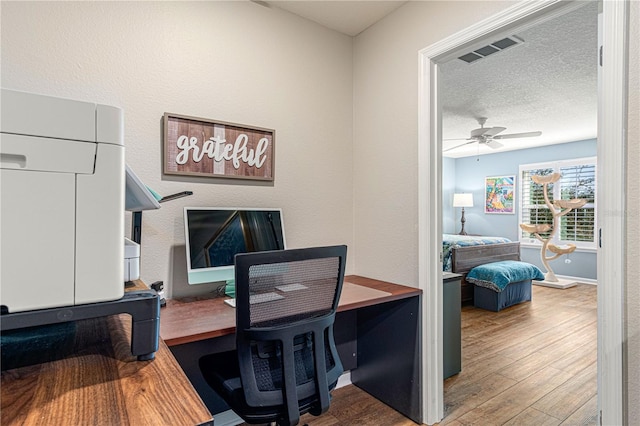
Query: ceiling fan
x,y
488,135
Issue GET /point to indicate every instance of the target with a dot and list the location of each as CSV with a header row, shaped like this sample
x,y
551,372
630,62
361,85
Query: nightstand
x,y
451,333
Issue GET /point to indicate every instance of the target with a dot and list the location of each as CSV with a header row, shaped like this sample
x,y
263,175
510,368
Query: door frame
x,y
611,143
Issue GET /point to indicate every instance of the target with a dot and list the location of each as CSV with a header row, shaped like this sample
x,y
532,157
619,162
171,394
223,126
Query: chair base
x,y
226,383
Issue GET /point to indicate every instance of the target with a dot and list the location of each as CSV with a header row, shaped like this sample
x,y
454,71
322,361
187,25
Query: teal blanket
x,y
497,275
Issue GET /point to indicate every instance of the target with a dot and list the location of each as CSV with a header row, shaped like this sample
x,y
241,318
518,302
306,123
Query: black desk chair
x,y
286,361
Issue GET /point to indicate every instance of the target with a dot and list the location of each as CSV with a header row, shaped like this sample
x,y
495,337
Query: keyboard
x,y
257,298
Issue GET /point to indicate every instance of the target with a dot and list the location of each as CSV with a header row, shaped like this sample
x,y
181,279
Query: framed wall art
x,y
499,194
208,148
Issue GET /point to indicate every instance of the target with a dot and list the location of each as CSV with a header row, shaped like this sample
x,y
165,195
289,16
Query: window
x,y
578,181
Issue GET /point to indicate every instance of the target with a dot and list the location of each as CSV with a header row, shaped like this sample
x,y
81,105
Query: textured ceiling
x,y
548,83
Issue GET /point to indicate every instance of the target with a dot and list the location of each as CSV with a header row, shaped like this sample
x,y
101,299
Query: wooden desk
x,y
101,383
203,317
376,331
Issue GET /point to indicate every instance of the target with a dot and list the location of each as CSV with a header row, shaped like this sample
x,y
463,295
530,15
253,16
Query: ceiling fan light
x,y
488,136
494,144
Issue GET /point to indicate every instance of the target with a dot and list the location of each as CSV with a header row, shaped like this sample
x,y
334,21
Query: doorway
x,y
610,161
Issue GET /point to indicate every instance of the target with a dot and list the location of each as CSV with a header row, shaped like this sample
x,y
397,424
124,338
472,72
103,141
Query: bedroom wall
x,y
470,175
232,61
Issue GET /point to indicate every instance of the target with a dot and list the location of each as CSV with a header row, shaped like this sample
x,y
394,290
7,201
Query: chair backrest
x,y
285,308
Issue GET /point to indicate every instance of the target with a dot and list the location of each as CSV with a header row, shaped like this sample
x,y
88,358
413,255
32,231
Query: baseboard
x,y
344,380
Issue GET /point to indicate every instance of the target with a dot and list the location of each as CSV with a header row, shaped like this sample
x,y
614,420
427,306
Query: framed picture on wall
x,y
499,194
211,148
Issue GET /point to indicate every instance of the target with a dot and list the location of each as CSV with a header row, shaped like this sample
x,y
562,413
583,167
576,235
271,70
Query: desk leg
x,y
389,355
345,334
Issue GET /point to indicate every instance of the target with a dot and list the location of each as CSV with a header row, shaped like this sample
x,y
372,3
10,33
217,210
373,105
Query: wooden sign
x,y
202,147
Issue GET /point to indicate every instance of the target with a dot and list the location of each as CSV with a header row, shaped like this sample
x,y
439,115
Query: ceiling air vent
x,y
495,47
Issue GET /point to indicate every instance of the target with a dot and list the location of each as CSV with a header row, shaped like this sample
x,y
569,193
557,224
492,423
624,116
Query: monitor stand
x,y
143,306
230,288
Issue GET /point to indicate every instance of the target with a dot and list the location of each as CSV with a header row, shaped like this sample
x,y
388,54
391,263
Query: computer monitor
x,y
215,235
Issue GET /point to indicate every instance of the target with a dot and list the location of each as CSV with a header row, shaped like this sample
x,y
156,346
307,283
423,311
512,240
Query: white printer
x,y
62,202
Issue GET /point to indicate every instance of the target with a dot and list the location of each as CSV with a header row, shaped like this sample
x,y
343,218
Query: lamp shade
x,y
462,200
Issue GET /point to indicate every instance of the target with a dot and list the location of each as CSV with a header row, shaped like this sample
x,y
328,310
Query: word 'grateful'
x,y
218,149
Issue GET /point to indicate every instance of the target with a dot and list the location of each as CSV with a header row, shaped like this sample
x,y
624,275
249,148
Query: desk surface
x,y
102,383
198,318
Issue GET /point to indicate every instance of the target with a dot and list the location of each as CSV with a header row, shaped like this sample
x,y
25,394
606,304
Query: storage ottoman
x,y
499,285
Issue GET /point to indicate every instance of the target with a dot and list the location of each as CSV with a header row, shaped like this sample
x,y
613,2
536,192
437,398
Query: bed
x,y
461,253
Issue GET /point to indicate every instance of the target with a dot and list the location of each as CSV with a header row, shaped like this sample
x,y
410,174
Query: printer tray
x,y
143,306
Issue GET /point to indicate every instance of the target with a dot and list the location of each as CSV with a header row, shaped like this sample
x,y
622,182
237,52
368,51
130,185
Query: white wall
x,y
386,131
232,61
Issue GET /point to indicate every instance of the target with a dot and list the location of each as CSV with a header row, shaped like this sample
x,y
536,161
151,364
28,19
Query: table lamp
x,y
462,200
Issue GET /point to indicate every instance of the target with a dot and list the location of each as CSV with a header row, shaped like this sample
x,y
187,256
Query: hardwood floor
x,y
531,364
352,406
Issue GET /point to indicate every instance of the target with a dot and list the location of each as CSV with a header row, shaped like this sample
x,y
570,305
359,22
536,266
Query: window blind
x,y
578,181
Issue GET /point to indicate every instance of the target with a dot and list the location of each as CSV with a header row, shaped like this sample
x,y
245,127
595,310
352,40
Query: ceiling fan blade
x,y
494,144
479,132
458,146
492,131
486,131
518,135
